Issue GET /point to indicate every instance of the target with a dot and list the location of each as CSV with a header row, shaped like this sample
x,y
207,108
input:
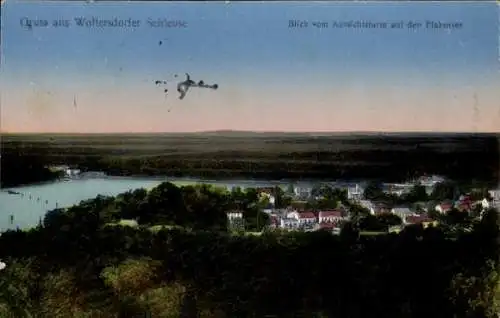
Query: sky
x,y
271,77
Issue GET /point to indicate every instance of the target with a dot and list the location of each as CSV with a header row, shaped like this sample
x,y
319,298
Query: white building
x,y
236,221
234,215
287,223
302,217
485,204
403,212
495,195
307,218
444,207
397,188
302,192
72,172
354,192
292,215
330,216
430,181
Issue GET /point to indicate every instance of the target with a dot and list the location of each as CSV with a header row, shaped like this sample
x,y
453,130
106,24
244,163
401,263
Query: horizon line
x,y
229,131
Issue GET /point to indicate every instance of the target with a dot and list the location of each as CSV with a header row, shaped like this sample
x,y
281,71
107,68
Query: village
x,y
301,214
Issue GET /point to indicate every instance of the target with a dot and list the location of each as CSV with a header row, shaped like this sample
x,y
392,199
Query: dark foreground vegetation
x,y
269,155
77,264
17,168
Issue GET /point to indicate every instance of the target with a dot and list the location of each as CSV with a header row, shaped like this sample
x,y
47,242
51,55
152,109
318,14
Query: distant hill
x,y
250,133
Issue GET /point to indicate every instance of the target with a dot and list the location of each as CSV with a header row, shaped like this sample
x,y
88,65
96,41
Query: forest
x,y
180,259
226,155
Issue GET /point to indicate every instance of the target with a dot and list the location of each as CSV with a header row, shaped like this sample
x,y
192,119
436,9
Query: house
x,y
495,194
306,218
430,181
397,188
302,217
354,192
403,212
234,215
330,216
485,204
293,214
290,224
236,221
420,219
444,207
302,191
417,219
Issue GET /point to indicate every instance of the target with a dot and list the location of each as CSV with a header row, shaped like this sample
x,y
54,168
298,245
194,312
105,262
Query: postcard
x,y
232,159
120,96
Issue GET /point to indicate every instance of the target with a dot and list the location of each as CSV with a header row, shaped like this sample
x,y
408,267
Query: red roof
x,y
327,225
307,215
418,219
446,206
332,213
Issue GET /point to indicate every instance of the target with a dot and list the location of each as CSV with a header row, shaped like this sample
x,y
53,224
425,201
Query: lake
x,y
38,199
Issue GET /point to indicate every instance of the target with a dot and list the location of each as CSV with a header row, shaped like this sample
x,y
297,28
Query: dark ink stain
x,y
183,87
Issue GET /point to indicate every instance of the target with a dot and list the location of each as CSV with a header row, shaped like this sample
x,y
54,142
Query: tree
x,y
373,191
16,283
164,301
349,232
417,194
455,217
280,199
132,277
389,219
357,211
60,295
444,191
479,194
371,223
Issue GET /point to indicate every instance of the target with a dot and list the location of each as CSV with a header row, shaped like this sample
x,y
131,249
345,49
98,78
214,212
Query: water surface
x,y
36,200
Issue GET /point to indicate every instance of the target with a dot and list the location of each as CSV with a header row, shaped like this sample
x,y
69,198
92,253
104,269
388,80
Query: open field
x,y
268,155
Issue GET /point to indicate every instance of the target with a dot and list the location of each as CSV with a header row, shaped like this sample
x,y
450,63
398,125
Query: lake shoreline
x,y
193,179
29,203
